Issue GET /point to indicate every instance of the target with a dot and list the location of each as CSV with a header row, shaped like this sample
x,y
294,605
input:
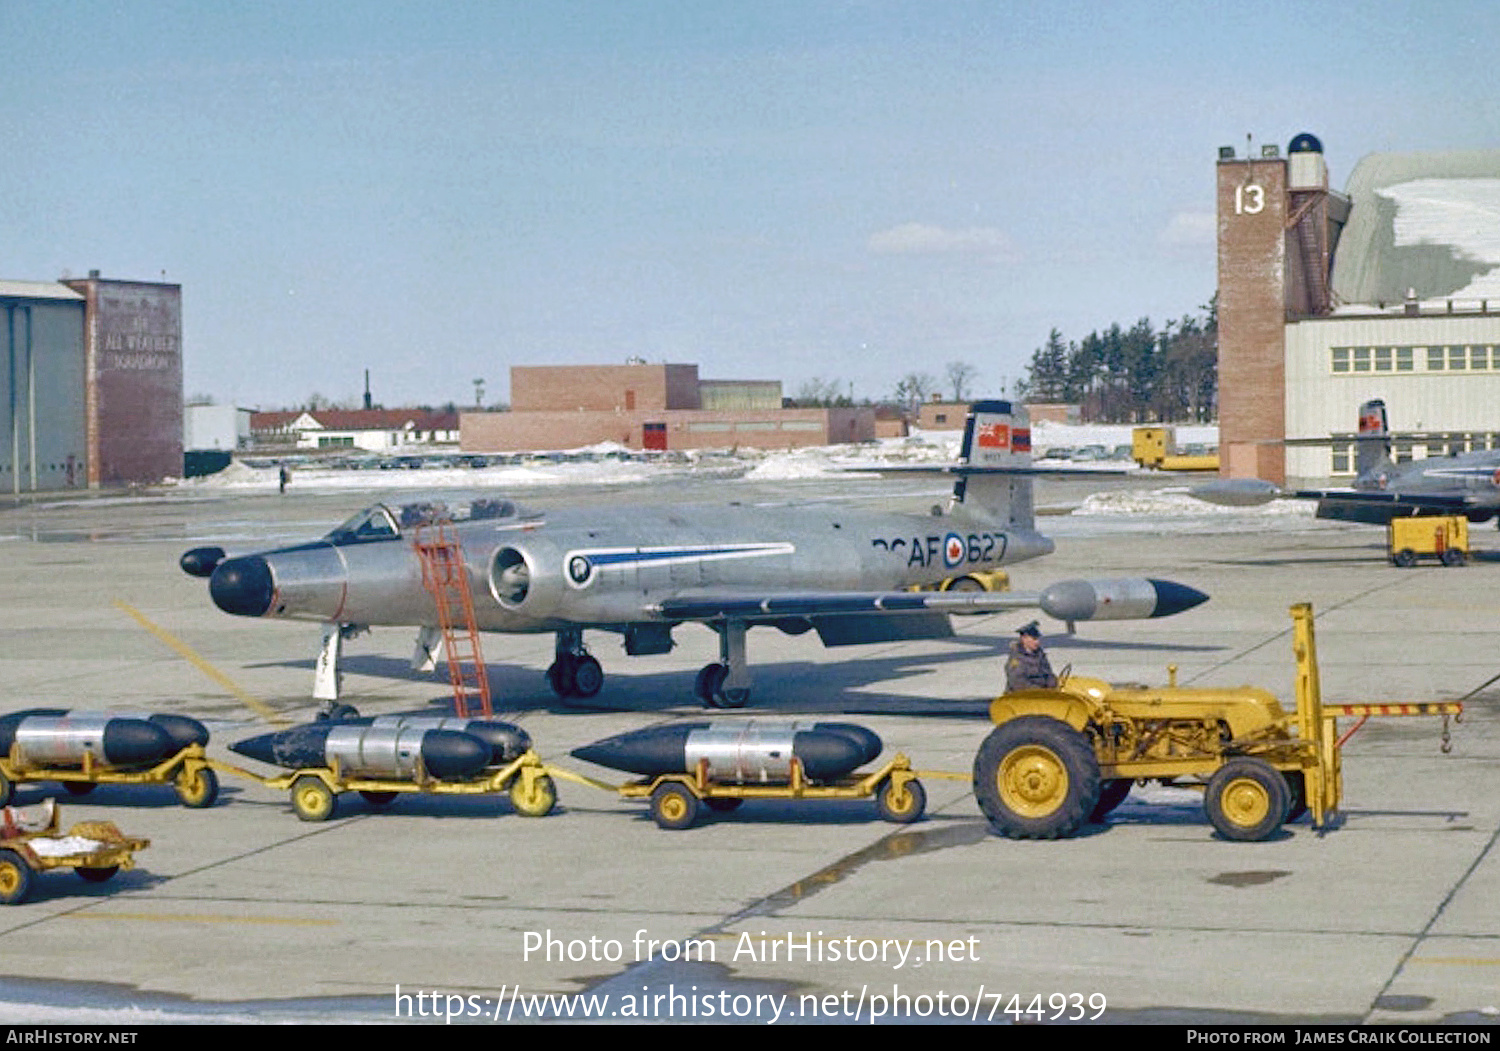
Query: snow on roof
x,y
1428,222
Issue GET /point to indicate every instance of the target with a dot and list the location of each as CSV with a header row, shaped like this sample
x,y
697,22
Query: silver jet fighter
x,y
841,572
1466,484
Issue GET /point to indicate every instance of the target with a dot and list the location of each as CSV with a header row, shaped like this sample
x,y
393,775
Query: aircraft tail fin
x,y
1373,446
996,435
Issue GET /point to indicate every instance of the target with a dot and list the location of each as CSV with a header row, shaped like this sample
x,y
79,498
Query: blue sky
x,y
850,191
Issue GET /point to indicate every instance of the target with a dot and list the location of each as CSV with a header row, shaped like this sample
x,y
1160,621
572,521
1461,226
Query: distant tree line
x,y
1135,375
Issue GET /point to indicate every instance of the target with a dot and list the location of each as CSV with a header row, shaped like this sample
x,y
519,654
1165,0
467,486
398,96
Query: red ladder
x,y
447,580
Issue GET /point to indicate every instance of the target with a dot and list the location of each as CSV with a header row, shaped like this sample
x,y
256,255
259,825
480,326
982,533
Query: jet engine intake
x,y
527,579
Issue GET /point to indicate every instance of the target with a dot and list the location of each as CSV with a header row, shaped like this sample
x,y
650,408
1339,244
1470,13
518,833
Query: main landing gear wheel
x,y
312,799
197,788
537,801
1111,794
1246,800
1036,778
673,806
709,688
573,675
15,878
901,803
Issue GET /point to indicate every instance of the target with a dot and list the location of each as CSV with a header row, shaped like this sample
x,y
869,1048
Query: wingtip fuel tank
x,y
59,738
1129,598
739,751
392,746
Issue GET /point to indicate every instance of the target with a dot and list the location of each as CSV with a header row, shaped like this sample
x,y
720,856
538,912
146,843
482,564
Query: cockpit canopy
x,y
379,522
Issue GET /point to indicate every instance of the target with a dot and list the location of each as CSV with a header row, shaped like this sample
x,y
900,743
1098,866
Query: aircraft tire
x,y
560,677
735,698
100,875
588,677
1036,778
1112,793
15,878
1247,800
706,685
673,806
901,805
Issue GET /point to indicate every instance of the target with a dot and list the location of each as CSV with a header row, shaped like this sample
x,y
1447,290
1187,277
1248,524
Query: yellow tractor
x,y
1059,758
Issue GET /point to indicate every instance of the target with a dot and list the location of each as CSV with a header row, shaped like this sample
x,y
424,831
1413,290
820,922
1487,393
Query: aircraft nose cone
x,y
243,586
201,561
262,748
1172,597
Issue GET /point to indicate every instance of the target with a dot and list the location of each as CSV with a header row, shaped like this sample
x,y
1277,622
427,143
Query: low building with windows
x,y
373,430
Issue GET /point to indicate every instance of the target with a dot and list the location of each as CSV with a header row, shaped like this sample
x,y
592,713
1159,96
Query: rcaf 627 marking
x,y
950,550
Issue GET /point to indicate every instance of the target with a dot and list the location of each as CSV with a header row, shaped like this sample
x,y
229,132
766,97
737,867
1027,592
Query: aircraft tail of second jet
x,y
1372,449
997,442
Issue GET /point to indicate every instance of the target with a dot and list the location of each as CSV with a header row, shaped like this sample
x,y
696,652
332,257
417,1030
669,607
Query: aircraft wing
x,y
1376,506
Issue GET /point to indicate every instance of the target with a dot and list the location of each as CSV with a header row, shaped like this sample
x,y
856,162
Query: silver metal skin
x,y
62,740
747,752
392,751
1467,484
838,570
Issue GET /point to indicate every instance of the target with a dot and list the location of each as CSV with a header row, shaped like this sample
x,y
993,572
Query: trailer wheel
x,y
79,788
197,788
1036,778
1405,558
1247,799
7,790
312,799
1112,793
673,806
1296,789
378,798
901,804
1453,557
103,875
15,878
538,802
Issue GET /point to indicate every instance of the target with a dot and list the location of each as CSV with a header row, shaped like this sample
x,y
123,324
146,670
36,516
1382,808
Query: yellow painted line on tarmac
x,y
257,706
202,917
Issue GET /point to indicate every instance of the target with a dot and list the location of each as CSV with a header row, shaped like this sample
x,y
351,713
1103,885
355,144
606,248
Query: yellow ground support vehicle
x,y
1059,758
96,850
1155,448
187,771
1444,537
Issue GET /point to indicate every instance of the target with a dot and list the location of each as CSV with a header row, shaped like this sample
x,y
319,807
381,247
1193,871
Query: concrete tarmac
x,y
791,913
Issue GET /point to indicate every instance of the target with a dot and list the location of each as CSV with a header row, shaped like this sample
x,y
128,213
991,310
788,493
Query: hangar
x,y
90,384
1390,290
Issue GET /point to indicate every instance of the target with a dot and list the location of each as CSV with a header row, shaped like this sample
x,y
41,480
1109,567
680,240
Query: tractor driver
x,y
1027,667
